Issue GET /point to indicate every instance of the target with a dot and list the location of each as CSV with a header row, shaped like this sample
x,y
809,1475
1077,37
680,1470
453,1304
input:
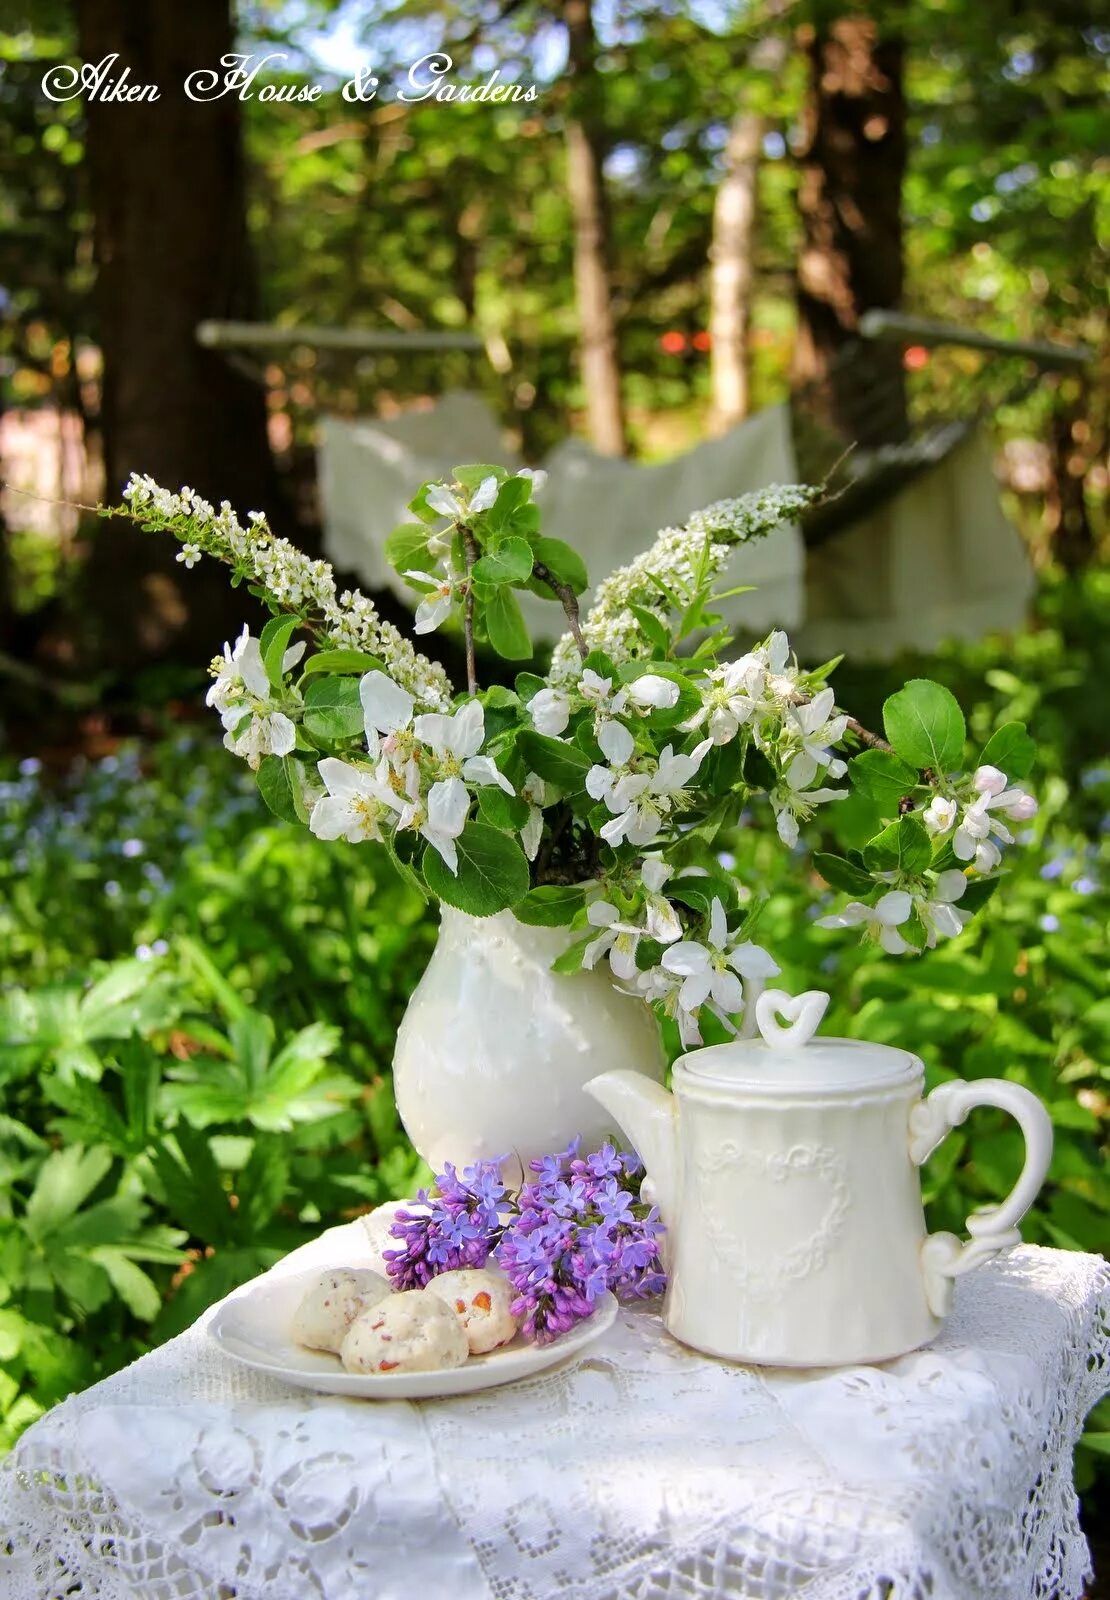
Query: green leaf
x,y
605,667
903,847
505,811
552,905
554,760
655,631
342,661
513,493
528,685
472,476
699,892
130,1282
276,784
332,709
925,725
717,817
842,874
127,999
882,776
66,1179
979,891
563,562
274,643
509,562
505,625
1011,750
571,959
419,506
493,872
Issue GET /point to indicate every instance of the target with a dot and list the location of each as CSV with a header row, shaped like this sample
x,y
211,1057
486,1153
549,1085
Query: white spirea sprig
x,y
295,582
673,560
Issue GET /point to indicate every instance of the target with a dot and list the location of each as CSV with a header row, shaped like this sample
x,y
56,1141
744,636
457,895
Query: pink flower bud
x,y
1022,808
988,780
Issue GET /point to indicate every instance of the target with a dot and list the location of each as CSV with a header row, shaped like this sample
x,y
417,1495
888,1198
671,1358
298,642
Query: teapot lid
x,y
787,1059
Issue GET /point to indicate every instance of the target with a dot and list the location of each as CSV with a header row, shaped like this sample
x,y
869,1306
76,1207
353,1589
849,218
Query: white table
x,y
645,1472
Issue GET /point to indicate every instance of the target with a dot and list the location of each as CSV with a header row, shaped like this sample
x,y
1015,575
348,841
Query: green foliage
x,y
175,1122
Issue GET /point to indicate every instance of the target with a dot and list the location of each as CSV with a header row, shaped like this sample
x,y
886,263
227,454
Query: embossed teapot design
x,y
786,1171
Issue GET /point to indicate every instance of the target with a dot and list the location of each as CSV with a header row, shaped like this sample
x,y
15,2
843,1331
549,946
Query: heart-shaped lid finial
x,y
802,1014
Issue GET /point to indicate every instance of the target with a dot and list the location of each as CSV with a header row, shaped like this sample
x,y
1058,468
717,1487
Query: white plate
x,y
253,1328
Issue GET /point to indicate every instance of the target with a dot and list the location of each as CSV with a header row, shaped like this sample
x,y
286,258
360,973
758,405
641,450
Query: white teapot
x,y
786,1171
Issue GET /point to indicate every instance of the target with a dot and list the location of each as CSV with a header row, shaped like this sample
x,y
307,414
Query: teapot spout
x,y
647,1113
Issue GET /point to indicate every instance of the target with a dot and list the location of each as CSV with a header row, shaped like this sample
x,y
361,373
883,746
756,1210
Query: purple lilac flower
x,y
458,1225
576,1229
580,1231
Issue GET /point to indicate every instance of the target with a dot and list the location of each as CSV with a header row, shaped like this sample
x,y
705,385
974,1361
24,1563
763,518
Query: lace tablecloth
x,y
644,1472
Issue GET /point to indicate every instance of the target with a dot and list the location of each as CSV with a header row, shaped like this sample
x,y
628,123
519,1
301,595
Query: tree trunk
x,y
167,186
850,199
731,272
600,359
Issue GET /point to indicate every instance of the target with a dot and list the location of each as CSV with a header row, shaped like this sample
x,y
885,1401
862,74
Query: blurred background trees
x,y
690,218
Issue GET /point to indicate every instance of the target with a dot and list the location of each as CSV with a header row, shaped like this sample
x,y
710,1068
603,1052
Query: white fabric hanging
x,y
938,561
608,509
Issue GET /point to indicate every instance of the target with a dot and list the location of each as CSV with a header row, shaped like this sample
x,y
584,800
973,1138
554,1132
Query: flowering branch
x,y
592,799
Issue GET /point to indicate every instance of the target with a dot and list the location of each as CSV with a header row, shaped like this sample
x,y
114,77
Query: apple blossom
x,y
711,973
617,939
940,814
550,712
254,724
651,692
356,804
938,911
440,499
442,820
880,921
484,495
661,919
813,726
793,805
435,607
456,740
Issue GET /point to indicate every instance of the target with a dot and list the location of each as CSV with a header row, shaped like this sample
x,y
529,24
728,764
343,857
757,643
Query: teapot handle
x,y
944,1257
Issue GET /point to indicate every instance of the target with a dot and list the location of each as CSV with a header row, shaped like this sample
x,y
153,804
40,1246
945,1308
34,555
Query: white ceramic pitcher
x,y
495,1048
786,1171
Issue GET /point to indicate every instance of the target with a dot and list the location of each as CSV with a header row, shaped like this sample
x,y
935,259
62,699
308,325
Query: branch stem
x,y
569,601
865,736
470,548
